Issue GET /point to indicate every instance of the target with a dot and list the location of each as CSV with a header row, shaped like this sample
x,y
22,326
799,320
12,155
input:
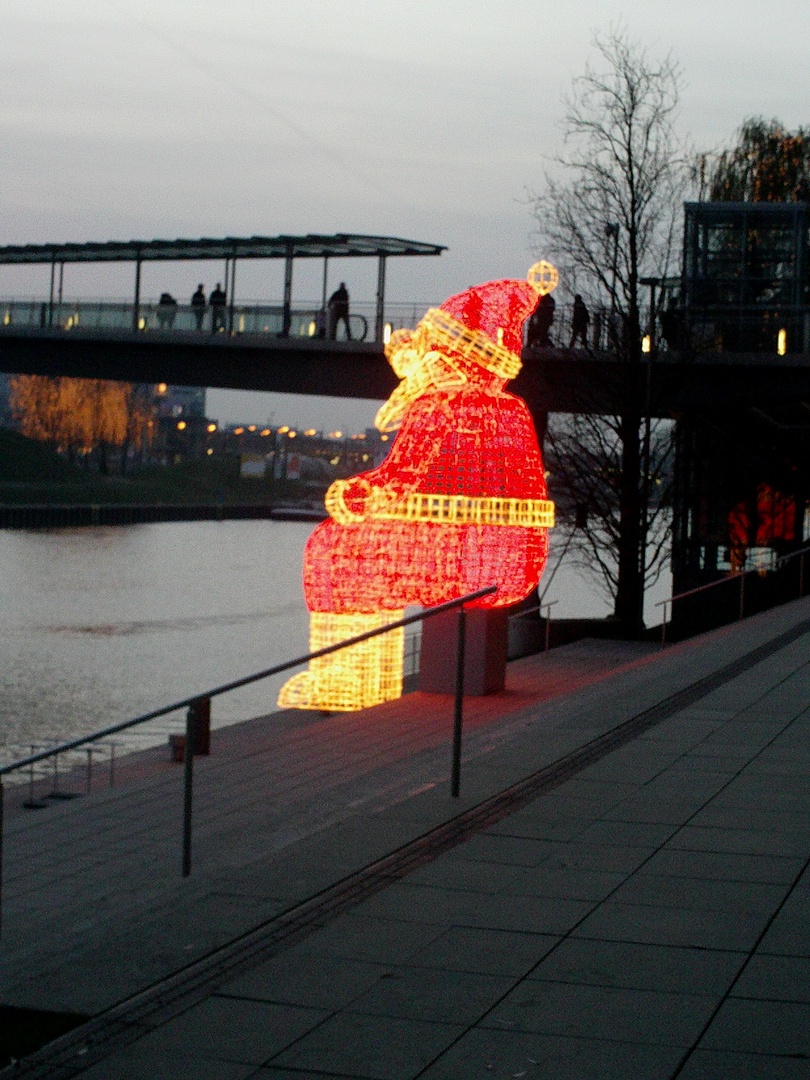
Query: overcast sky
x,y
427,119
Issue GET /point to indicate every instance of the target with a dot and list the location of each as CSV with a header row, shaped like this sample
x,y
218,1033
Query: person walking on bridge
x,y
198,304
579,323
218,301
338,311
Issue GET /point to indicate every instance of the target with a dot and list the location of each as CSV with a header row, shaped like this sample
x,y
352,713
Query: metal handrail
x,y
740,575
277,669
199,713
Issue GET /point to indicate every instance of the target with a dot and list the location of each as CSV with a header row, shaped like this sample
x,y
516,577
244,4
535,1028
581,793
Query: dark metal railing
x,y
198,717
739,576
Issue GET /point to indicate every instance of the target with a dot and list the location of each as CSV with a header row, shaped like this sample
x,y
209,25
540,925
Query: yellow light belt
x,y
380,505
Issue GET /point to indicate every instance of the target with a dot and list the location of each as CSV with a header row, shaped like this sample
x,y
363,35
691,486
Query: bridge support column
x,y
380,315
231,290
287,316
136,310
50,301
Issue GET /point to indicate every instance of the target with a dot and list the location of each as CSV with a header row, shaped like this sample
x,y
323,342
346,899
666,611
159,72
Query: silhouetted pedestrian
x,y
540,322
166,310
338,311
671,325
217,300
198,304
580,320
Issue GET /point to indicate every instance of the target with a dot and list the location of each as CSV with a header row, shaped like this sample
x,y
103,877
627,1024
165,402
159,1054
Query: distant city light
x,y
291,434
310,431
335,435
181,425
646,343
387,330
162,388
238,431
266,431
211,428
781,342
209,451
283,429
312,329
383,438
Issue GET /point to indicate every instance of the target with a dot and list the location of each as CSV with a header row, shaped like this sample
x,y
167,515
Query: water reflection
x,y
102,624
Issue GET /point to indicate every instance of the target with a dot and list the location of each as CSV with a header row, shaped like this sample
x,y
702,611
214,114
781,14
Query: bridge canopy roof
x,y
253,247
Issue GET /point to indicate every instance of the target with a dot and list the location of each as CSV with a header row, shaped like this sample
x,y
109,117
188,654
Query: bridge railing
x,y
256,318
243,318
198,721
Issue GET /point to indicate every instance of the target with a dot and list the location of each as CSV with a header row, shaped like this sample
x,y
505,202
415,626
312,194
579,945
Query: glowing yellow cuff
x,y
445,331
449,509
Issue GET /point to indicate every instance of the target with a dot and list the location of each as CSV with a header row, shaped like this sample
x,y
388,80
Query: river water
x,y
98,625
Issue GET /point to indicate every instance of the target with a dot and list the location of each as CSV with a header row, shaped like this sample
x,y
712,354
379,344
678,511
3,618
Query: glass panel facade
x,y
745,276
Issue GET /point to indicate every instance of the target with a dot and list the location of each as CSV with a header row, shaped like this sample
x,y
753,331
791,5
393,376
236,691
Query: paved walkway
x,y
645,918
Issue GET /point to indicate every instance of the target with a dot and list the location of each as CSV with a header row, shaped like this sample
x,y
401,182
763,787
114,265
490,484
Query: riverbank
x,y
67,515
33,475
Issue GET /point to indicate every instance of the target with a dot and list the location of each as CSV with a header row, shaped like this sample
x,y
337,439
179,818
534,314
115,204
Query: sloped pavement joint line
x,y
127,1021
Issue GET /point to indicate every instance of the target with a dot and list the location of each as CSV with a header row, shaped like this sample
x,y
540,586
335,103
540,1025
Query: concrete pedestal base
x,y
486,638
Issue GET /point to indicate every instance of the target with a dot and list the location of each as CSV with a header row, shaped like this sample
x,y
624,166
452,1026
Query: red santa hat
x,y
485,323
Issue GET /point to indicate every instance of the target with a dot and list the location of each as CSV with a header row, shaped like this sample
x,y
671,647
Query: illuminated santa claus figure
x,y
459,503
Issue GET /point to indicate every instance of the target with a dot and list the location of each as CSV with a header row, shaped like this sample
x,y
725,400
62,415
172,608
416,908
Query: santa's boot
x,y
352,678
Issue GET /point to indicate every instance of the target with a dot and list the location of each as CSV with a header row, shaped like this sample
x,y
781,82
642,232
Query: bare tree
x,y
608,216
583,455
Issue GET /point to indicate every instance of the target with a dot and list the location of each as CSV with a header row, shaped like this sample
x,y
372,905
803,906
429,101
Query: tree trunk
x,y
630,590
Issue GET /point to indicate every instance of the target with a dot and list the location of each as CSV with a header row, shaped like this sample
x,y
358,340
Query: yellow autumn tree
x,y
75,415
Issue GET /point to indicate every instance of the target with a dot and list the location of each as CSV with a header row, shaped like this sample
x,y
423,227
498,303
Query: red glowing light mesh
x,y
472,454
494,306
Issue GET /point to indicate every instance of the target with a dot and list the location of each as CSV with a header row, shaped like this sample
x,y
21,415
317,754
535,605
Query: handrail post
x,y
664,626
455,783
188,785
742,593
801,574
2,794
548,627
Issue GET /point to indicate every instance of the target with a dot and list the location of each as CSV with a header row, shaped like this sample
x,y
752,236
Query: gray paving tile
x,y
520,851
381,1047
490,952
698,894
640,967
271,1073
778,978
742,841
596,1012
497,911
671,926
654,810
788,934
231,1029
354,937
319,984
496,878
486,1054
453,997
723,866
725,1065
165,1065
760,1027
634,833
